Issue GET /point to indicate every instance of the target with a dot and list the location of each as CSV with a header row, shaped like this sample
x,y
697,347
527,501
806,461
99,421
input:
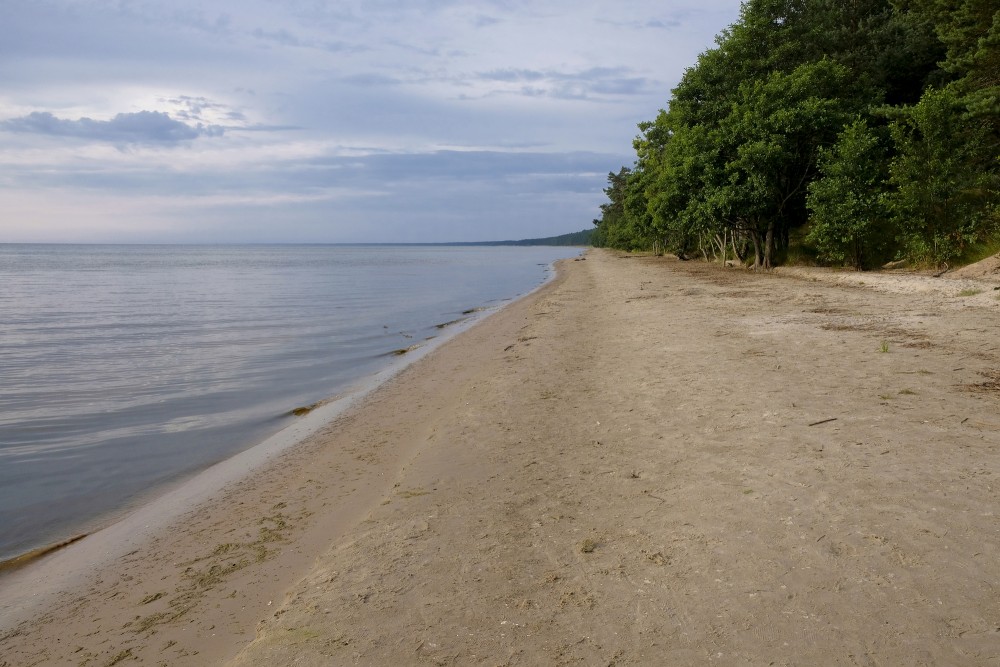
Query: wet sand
x,y
645,462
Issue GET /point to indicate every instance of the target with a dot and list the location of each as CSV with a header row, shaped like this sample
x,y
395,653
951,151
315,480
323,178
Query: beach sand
x,y
645,462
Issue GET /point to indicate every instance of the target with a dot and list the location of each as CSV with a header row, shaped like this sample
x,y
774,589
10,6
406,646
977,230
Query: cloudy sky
x,y
327,120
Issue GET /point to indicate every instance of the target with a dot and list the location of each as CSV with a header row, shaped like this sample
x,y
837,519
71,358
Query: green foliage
x,y
873,125
849,211
677,176
945,182
777,127
616,227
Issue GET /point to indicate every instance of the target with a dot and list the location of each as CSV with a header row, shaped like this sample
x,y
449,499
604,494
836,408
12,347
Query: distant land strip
x,y
581,238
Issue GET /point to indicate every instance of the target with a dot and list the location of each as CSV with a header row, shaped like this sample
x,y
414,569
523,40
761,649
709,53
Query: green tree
x,y
624,222
733,156
945,178
778,126
849,220
612,220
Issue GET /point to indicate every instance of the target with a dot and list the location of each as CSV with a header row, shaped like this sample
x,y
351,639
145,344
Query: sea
x,y
125,368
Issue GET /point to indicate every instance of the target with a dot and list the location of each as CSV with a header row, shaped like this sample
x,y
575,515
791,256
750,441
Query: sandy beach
x,y
646,462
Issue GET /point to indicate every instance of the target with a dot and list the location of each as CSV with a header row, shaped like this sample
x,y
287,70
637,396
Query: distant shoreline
x,y
575,239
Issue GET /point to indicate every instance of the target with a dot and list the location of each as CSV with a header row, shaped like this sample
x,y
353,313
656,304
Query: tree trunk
x,y
769,246
701,246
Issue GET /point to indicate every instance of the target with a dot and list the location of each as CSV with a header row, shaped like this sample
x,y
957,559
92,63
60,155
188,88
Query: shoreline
x,y
123,418
152,511
49,575
196,485
643,462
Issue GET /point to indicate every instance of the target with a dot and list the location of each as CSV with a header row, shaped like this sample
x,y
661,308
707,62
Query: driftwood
x,y
899,264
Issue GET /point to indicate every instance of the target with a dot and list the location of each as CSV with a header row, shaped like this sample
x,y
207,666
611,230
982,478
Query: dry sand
x,y
646,462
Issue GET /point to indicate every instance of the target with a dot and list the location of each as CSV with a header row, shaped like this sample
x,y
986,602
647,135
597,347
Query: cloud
x,y
282,37
663,25
512,75
582,85
653,24
189,108
143,127
349,120
363,171
483,21
438,195
369,79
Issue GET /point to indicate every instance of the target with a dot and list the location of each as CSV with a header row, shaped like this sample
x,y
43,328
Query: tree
x,y
750,125
612,220
849,219
778,126
945,177
624,223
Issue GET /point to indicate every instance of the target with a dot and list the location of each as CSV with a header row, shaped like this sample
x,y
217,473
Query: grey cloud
x,y
104,33
143,127
446,195
301,88
371,80
374,110
193,108
493,171
282,37
602,73
531,91
633,86
512,75
596,81
654,24
220,24
429,51
263,127
343,47
487,171
663,25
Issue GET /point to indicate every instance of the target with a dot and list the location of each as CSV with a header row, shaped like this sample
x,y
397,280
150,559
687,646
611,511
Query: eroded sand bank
x,y
646,462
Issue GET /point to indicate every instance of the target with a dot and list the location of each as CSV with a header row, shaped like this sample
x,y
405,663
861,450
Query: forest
x,y
836,132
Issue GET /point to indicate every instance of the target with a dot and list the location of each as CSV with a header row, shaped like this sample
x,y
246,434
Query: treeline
x,y
852,131
581,238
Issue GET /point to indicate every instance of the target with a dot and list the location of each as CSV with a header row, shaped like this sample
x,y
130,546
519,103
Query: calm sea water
x,y
125,367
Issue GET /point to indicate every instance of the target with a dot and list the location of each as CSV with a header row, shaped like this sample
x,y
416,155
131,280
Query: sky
x,y
328,121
